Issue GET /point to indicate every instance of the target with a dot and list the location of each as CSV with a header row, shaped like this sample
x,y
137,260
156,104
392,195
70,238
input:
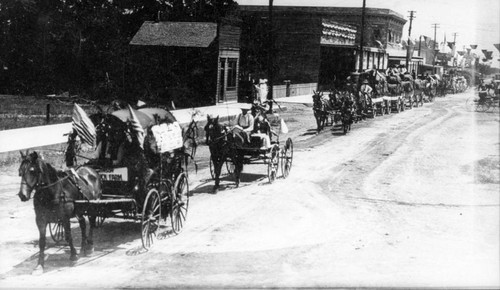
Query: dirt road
x,y
410,199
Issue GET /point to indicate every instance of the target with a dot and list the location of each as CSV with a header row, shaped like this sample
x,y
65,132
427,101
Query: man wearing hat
x,y
365,88
244,122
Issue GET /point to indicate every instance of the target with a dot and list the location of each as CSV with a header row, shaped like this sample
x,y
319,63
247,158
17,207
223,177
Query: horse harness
x,y
41,185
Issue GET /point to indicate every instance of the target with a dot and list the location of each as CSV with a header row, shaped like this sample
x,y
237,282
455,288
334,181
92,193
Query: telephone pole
x,y
408,56
270,59
455,34
435,26
361,42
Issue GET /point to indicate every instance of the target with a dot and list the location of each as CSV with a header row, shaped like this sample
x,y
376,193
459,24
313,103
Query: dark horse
x,y
223,145
322,107
54,199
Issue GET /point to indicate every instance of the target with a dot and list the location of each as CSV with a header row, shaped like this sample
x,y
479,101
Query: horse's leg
x,y
238,168
317,118
217,162
83,229
69,239
41,222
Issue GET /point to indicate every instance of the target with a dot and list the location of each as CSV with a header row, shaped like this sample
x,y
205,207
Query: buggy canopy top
x,y
146,116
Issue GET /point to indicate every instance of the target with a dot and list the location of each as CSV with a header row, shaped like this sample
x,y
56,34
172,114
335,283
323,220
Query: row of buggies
x,y
376,94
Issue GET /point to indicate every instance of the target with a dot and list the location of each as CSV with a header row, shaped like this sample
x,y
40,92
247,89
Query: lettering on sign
x,y
115,174
168,136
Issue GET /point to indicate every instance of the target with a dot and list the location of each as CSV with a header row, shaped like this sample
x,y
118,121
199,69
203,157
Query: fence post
x,y
47,116
287,90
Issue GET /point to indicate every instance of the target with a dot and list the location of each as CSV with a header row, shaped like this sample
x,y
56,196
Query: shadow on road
x,y
109,238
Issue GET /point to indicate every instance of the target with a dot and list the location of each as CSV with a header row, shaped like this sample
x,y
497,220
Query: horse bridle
x,y
214,140
38,185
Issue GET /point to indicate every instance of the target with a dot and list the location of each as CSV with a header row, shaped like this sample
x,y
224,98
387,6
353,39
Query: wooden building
x,y
203,55
319,46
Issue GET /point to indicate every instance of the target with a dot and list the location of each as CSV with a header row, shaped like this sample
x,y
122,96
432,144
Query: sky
x,y
475,21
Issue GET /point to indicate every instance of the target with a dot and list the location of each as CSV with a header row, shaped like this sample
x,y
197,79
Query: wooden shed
x,y
214,49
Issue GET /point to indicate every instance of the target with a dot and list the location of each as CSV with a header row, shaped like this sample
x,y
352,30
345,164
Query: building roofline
x,y
327,10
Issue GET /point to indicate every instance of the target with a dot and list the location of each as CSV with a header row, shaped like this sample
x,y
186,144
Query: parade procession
x,y
249,144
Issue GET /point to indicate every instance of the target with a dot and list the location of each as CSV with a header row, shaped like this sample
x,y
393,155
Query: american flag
x,y
136,127
83,126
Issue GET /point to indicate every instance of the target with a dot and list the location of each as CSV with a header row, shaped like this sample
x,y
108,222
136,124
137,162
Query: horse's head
x,y
317,98
213,130
30,171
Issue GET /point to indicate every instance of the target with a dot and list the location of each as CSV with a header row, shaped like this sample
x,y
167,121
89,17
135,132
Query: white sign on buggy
x,y
115,174
168,136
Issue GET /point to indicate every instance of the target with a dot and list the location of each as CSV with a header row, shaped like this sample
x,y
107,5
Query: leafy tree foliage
x,y
82,46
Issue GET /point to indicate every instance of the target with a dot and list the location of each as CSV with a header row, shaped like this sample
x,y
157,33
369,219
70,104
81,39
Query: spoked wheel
x,y
180,203
273,164
56,231
287,158
151,214
483,106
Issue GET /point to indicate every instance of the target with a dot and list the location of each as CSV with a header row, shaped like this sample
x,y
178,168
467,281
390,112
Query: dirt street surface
x,y
409,199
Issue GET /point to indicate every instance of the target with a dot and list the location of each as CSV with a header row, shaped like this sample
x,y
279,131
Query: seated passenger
x,y
262,129
244,122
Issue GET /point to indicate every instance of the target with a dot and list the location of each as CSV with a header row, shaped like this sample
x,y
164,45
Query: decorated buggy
x,y
140,157
372,90
233,147
395,99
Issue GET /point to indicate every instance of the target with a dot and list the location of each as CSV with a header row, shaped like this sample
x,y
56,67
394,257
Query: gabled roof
x,y
185,34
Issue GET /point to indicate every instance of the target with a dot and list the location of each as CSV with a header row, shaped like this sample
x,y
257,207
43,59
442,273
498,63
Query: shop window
x,y
231,73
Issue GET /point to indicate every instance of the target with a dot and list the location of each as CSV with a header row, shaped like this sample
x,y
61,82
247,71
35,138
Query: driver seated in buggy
x,y
244,124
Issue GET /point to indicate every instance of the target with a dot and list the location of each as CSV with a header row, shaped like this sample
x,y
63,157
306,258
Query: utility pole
x,y
453,48
435,26
361,42
270,61
408,56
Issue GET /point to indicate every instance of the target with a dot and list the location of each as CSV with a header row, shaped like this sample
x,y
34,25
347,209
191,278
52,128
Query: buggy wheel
x,y
273,163
150,220
56,231
287,158
180,203
482,106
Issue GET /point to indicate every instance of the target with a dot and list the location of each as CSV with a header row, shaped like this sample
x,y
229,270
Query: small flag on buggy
x,y
83,126
136,127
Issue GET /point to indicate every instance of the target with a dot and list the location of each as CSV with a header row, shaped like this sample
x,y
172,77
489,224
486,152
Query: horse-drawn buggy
x,y
256,143
338,106
136,170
